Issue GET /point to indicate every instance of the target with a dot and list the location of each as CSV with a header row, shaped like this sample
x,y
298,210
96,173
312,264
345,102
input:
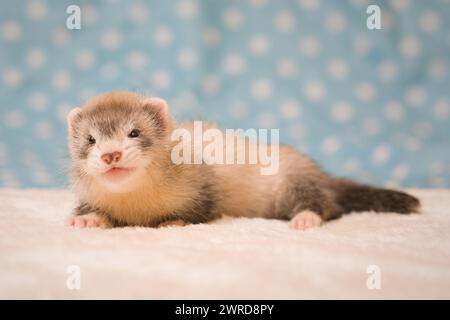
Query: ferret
x,y
123,175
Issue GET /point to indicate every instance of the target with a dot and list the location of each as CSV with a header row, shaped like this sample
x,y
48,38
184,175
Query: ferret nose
x,y
111,157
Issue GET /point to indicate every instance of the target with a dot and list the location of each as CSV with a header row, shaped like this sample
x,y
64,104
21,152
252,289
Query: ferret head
x,y
116,137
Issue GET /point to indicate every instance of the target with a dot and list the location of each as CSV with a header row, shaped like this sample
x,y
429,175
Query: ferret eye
x,y
91,139
134,133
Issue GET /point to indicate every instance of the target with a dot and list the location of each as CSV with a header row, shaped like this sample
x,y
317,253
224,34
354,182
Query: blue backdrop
x,y
369,104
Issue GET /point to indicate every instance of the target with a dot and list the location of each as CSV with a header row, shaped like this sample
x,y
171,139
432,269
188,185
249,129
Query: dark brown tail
x,y
352,196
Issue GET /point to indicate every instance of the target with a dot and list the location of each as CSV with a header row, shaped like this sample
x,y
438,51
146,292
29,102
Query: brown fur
x,y
166,192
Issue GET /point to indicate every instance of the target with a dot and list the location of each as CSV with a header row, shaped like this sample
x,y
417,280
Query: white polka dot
x,y
392,184
232,18
211,84
330,145
338,69
258,3
161,79
186,9
441,108
415,96
86,94
386,21
372,126
351,166
393,111
437,182
314,91
163,37
61,80
284,21
10,30
259,45
12,77
309,4
342,111
29,159
111,40
14,119
335,22
262,89
138,12
38,101
36,9
266,120
381,154
43,130
186,101
234,64
399,5
136,60
238,110
359,3
437,168
4,154
35,58
287,68
423,129
388,71
365,91
40,177
361,45
429,21
211,37
400,171
310,46
88,15
62,111
85,59
60,37
438,69
9,180
290,109
187,58
410,46
297,131
412,144
110,71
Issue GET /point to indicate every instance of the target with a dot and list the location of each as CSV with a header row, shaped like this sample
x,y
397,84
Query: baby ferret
x,y
123,175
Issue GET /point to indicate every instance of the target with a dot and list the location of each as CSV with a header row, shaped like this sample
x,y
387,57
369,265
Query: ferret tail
x,y
351,196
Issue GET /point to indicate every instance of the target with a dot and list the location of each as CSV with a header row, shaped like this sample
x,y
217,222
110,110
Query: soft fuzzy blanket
x,y
363,255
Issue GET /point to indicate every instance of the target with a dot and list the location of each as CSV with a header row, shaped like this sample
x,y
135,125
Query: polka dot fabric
x,y
368,104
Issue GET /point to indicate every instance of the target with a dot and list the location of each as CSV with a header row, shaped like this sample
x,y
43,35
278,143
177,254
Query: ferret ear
x,y
71,117
159,110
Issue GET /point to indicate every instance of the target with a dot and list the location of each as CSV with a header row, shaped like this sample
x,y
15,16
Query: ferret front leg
x,y
173,223
90,220
86,217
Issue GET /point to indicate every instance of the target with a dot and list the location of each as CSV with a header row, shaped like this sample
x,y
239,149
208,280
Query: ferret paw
x,y
172,223
90,220
305,220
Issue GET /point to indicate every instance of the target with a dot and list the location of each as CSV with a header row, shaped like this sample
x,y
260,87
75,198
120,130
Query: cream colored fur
x,y
164,187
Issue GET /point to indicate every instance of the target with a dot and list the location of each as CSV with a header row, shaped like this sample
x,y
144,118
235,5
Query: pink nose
x,y
109,158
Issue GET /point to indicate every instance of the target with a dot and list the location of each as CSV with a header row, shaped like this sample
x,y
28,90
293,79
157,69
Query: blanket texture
x,y
232,258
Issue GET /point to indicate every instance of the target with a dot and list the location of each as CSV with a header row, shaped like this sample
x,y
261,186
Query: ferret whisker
x,y
131,154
